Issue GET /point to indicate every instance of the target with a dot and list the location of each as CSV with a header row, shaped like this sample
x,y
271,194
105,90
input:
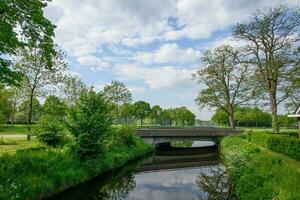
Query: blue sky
x,y
152,46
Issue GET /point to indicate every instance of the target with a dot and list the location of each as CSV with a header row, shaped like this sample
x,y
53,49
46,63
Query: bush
x,y
125,135
89,122
279,143
50,131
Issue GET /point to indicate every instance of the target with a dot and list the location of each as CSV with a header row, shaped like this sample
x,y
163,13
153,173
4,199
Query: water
x,y
175,171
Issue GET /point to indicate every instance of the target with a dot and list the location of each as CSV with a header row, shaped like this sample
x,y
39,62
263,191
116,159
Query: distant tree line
x,y
17,107
125,111
252,117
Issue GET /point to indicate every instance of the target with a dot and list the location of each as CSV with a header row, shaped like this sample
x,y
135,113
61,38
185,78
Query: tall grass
x,y
38,172
259,173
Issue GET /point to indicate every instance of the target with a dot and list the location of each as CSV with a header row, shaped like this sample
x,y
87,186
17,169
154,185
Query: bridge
x,y
155,136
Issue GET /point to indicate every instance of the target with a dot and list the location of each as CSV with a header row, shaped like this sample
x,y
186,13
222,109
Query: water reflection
x,y
215,183
170,173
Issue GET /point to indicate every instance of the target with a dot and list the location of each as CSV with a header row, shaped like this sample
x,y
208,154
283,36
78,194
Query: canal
x,y
181,170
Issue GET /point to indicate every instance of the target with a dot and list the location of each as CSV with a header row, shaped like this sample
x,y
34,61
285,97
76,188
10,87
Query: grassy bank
x,y
258,173
282,143
38,172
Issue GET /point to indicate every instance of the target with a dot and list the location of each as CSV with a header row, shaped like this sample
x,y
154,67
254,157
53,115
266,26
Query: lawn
x,y
13,144
254,129
13,130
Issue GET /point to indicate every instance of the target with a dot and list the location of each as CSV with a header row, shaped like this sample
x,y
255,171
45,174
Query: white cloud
x,y
95,62
136,89
168,53
163,77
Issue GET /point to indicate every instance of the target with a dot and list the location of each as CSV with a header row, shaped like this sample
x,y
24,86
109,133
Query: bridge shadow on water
x,y
141,178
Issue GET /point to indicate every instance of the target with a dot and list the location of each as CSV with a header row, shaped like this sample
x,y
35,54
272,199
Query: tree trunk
x,y
13,114
273,103
231,120
29,121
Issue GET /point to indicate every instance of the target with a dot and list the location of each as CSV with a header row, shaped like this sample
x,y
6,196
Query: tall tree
x,y
272,36
117,93
22,23
36,76
141,109
156,113
71,88
226,81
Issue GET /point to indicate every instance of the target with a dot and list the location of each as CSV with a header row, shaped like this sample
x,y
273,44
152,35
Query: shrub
x,y
125,135
89,122
280,143
50,131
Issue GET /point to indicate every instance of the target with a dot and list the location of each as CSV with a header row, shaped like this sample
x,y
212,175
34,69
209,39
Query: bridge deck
x,y
187,132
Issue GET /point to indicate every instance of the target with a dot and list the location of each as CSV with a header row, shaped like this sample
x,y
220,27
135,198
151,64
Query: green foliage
x,y
50,131
36,31
244,117
89,122
277,142
39,172
55,107
141,109
125,135
260,174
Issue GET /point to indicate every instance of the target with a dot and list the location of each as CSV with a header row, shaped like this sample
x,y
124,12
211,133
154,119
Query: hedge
x,y
258,174
284,144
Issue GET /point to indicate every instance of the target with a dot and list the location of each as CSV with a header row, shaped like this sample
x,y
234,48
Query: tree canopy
x,y
22,23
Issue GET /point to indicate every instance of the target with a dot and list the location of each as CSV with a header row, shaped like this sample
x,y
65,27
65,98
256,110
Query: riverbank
x,y
259,173
34,173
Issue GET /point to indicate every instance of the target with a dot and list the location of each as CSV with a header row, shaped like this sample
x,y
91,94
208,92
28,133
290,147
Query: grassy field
x,y
11,145
268,129
259,173
13,130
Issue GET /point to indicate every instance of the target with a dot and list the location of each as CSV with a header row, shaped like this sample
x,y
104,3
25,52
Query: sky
x,y
154,46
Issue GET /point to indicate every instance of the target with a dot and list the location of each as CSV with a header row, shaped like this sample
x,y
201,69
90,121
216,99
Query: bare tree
x,y
37,78
226,81
272,36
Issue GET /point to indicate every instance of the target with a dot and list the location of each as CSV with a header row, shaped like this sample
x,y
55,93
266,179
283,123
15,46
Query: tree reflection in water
x,y
117,189
215,182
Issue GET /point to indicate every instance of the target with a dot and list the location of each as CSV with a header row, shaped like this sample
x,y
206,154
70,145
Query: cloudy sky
x,y
152,46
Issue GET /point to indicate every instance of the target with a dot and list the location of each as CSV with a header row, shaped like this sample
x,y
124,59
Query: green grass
x,y
11,145
13,130
253,129
258,173
38,172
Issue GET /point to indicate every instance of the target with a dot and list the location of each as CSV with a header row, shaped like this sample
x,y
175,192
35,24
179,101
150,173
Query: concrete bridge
x,y
162,135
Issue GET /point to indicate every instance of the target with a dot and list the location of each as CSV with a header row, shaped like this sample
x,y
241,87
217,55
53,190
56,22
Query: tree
x,y
55,108
89,122
272,37
5,105
34,30
126,111
141,109
51,128
155,113
118,94
71,88
220,117
166,118
36,76
226,80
